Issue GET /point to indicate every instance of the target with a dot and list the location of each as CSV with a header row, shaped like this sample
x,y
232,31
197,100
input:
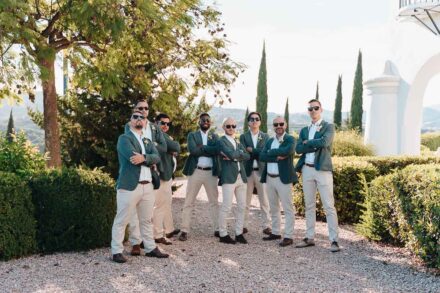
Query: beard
x,y
138,127
204,127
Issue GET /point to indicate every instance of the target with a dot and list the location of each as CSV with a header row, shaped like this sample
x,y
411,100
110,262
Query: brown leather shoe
x,y
272,237
157,253
267,231
119,258
183,236
245,230
136,250
286,242
163,240
172,234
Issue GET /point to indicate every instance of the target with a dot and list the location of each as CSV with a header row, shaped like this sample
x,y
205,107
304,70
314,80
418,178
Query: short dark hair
x,y
203,115
315,100
160,116
253,113
140,101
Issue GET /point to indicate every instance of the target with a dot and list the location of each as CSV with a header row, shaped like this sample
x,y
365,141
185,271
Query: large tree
x,y
317,91
245,122
337,114
262,90
356,110
286,115
10,132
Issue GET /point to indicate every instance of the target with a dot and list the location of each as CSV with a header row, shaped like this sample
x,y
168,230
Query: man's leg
x,y
285,193
192,189
145,208
249,190
168,222
240,195
325,187
262,198
309,188
161,206
274,204
225,208
210,184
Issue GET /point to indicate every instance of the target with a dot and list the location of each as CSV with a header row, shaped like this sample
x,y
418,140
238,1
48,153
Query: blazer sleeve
x,y
264,154
192,146
160,142
326,140
125,147
235,155
152,155
172,146
212,149
302,148
256,151
286,150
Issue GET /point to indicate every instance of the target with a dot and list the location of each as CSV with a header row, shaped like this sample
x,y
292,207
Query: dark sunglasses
x,y
137,117
229,126
142,108
278,124
165,123
203,120
254,119
316,108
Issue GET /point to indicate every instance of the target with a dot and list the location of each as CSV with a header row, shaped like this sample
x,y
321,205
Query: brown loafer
x,y
272,237
183,236
267,231
119,258
286,242
163,240
245,230
157,253
136,250
172,234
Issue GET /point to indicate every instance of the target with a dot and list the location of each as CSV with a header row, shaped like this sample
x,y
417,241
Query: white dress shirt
x,y
255,141
204,162
310,157
272,168
145,171
234,143
146,132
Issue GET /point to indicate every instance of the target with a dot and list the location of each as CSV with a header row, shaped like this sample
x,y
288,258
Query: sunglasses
x,y
316,108
203,120
165,123
230,126
254,119
278,124
137,117
142,108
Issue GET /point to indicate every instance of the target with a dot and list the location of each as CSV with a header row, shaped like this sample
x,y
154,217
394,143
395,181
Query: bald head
x,y
229,126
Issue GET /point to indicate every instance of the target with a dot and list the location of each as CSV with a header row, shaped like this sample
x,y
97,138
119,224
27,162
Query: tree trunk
x,y
51,128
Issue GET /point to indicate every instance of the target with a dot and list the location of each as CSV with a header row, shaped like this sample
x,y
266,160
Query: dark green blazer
x,y
229,168
197,149
128,173
321,145
246,141
285,167
166,159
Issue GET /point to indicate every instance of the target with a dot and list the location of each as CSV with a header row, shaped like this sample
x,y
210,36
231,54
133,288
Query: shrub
x,y
386,165
350,143
17,223
431,140
74,209
348,186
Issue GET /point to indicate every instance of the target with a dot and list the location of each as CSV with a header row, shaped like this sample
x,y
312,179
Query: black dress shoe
x,y
267,231
217,234
272,237
286,242
157,253
163,240
119,258
245,230
172,234
183,236
240,239
227,239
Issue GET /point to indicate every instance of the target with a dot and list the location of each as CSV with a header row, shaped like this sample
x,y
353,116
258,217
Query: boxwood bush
x,y
350,143
17,222
431,140
74,209
387,165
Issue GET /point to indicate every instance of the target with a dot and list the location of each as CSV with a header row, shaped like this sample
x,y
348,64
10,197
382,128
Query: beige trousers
x,y
195,182
276,192
163,215
254,181
323,182
140,201
228,190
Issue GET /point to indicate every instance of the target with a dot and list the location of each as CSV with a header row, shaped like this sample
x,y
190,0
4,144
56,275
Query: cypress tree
x,y
337,114
356,110
262,91
245,122
10,133
317,91
286,115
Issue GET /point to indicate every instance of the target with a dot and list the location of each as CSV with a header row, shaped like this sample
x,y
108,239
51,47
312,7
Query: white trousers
x,y
195,182
141,200
276,192
254,181
228,190
323,182
163,215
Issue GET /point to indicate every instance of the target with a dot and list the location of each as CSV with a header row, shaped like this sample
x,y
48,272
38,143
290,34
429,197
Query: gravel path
x,y
202,264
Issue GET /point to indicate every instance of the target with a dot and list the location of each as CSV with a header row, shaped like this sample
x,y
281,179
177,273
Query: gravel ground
x,y
202,264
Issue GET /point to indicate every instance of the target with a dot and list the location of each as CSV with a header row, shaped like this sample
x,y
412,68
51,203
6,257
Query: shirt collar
x,y
281,138
317,123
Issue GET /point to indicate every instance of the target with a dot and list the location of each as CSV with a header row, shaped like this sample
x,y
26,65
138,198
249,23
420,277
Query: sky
x,y
306,42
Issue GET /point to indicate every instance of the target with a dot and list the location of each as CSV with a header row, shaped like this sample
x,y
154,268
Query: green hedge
x,y
350,143
348,186
386,165
431,140
404,207
74,209
17,223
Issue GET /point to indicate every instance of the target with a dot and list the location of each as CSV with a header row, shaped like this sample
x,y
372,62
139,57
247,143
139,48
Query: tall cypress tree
x,y
337,114
10,133
245,122
286,115
356,110
317,91
262,91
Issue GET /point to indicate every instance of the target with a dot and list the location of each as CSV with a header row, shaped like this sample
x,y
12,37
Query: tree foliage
x,y
286,115
337,114
262,91
356,110
245,121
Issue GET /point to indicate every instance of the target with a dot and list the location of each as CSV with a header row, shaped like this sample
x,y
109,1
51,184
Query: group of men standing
x,y
253,164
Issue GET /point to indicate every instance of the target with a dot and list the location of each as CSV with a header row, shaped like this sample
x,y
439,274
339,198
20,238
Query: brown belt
x,y
310,165
204,169
144,182
273,175
255,169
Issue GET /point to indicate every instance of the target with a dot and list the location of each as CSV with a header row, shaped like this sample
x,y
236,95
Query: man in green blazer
x,y
163,216
279,175
315,146
233,181
201,167
134,188
253,141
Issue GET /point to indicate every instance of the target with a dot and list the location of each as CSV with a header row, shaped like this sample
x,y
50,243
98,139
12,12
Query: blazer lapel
x,y
322,127
135,141
199,139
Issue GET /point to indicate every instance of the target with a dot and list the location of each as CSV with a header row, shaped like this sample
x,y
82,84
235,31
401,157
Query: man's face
x,y
138,120
164,124
254,121
279,126
143,108
315,111
205,122
229,127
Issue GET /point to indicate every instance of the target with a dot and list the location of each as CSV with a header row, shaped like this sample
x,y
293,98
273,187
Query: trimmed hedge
x,y
431,140
74,209
386,165
350,143
17,223
404,207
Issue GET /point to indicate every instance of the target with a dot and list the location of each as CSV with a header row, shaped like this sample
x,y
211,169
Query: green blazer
x,y
197,149
321,145
246,141
229,168
286,167
166,159
128,173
